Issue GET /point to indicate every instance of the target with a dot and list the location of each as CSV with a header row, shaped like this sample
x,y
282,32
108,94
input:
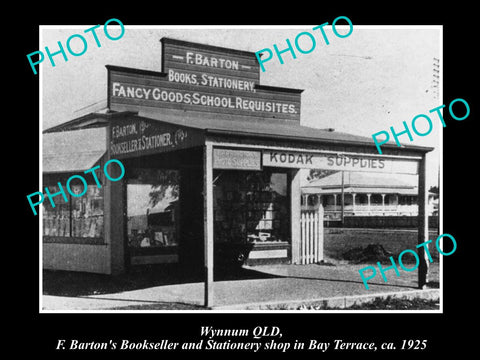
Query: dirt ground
x,y
166,287
338,241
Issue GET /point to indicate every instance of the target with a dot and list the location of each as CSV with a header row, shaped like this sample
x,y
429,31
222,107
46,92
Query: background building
x,y
365,194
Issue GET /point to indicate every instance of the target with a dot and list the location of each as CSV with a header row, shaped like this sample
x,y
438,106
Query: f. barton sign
x,y
203,78
292,159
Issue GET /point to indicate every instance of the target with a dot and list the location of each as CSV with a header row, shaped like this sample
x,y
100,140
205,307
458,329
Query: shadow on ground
x,y
68,283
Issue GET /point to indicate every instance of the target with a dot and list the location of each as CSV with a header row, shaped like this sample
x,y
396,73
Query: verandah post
x,y
295,217
422,222
208,222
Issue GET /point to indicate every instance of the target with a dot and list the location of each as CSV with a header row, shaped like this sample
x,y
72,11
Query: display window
x,y
250,206
79,217
152,208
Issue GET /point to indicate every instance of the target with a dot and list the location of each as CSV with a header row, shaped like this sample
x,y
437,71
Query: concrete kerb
x,y
340,302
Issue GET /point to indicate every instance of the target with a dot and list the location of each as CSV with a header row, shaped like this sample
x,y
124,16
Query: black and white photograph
x,y
205,171
222,184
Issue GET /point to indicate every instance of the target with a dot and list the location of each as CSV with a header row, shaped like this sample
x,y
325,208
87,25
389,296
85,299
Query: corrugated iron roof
x,y
69,151
66,149
232,125
253,127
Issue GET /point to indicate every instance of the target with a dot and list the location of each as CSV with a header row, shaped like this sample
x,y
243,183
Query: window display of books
x,y
153,236
250,214
78,218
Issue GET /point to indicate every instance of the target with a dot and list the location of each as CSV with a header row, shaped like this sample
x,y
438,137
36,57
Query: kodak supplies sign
x,y
338,162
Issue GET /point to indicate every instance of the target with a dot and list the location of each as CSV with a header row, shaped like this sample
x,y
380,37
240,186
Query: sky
x,y
377,77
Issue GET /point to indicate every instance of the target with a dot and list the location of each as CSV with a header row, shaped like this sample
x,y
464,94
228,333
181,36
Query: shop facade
x,y
212,168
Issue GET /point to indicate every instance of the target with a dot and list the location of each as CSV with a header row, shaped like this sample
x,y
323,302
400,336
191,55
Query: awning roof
x,y
230,125
66,150
70,151
259,127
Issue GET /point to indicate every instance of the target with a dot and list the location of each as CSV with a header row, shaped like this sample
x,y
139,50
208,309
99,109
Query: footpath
x,y
283,287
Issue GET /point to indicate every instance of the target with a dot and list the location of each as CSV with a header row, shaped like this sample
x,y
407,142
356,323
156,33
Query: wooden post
x,y
113,218
316,222
422,223
320,233
342,216
208,222
310,238
295,193
303,221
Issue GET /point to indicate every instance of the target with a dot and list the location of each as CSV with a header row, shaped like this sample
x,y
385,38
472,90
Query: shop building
x,y
212,160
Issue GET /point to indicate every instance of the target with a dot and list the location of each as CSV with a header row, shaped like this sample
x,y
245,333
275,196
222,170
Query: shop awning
x,y
225,124
70,151
252,127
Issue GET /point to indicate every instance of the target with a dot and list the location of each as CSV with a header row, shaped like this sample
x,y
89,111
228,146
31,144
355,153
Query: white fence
x,y
311,243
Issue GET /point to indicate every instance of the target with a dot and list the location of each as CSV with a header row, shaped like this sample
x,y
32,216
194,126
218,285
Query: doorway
x,y
151,216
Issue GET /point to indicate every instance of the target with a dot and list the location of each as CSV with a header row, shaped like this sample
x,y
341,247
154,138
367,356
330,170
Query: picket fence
x,y
311,243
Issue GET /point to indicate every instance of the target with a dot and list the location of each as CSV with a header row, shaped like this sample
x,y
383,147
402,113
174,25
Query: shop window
x,y
56,220
80,217
152,208
251,207
87,212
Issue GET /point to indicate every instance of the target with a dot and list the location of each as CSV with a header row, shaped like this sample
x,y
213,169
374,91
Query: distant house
x,y
365,194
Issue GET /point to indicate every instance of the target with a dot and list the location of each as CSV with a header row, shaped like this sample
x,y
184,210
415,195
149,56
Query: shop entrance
x,y
152,215
163,213
251,217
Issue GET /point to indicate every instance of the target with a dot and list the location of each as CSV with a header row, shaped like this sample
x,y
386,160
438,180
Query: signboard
x,y
236,159
208,65
131,137
204,78
292,159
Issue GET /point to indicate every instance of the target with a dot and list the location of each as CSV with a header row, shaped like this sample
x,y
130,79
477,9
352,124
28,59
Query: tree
x,y
160,180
